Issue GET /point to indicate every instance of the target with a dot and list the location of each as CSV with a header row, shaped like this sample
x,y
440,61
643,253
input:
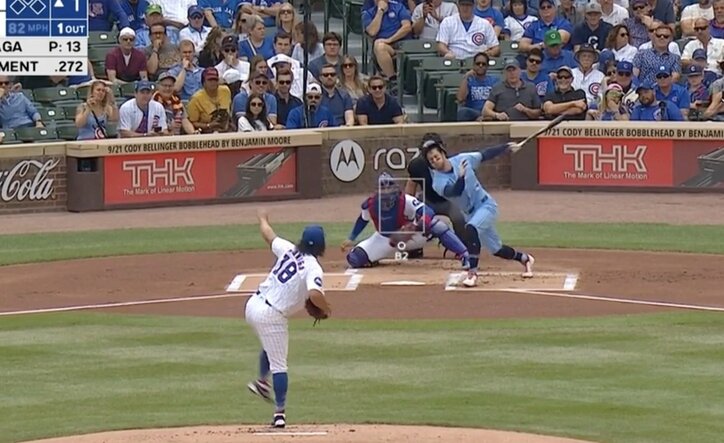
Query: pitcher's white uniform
x,y
466,43
377,246
279,296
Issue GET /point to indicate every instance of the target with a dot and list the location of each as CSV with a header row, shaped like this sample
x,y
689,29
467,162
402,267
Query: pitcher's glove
x,y
404,234
314,311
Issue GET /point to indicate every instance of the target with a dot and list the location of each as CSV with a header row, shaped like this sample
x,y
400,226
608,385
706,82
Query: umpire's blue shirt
x,y
392,20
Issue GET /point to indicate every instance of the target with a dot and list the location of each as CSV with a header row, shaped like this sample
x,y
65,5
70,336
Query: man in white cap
x,y
281,62
319,116
125,63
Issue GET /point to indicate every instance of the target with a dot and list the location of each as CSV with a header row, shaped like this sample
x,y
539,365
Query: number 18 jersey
x,y
291,277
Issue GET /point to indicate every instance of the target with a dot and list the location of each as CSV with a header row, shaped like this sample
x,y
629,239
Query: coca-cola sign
x,y
28,180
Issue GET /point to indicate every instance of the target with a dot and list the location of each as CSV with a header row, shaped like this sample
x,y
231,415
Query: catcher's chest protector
x,y
390,220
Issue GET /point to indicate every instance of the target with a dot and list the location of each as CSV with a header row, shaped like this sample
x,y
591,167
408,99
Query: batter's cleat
x,y
465,262
261,388
471,280
279,420
415,253
528,267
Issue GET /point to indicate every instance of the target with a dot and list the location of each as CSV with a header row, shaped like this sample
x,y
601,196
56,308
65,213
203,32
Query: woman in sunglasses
x,y
351,79
612,106
286,19
619,43
255,118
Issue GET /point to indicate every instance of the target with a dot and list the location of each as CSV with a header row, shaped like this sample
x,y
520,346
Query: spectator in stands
x,y
518,19
554,56
162,55
286,20
16,110
465,34
647,61
378,107
187,73
351,80
571,11
258,64
175,11
255,118
699,97
218,13
474,90
640,23
612,107
125,63
673,46
427,16
607,65
285,100
196,31
716,25
512,98
700,59
100,13
257,43
231,58
585,77
532,6
534,74
209,107
141,116
618,42
650,109
284,62
625,79
712,47
258,84
593,30
92,117
387,22
266,9
332,43
212,54
715,111
135,10
282,44
565,99
612,13
307,39
232,79
319,115
176,118
702,9
535,33
243,23
484,9
667,90
154,16
335,99
663,11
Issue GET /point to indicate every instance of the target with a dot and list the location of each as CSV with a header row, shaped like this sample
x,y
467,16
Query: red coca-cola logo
x,y
19,183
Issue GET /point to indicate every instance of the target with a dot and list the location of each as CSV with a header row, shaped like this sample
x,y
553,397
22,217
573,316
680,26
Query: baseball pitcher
x,y
454,178
401,222
294,282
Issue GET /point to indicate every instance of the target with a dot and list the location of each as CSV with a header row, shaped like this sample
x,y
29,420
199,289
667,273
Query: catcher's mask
x,y
430,145
388,191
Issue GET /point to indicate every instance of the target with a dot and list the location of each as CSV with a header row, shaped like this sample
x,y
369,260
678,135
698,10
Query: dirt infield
x,y
606,282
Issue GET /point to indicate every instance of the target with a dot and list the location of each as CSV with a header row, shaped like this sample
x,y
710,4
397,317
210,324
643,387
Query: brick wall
x,y
22,191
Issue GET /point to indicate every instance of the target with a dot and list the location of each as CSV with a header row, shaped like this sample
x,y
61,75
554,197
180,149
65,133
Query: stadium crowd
x,y
205,66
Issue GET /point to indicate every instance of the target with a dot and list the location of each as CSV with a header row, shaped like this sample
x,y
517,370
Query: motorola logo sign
x,y
347,161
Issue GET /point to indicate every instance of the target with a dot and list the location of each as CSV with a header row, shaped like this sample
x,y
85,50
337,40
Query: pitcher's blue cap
x,y
313,235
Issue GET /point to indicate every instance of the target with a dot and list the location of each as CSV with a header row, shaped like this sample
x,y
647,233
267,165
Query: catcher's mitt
x,y
404,234
314,311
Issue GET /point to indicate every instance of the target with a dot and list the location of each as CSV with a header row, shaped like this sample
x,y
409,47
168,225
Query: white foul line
x,y
120,304
621,300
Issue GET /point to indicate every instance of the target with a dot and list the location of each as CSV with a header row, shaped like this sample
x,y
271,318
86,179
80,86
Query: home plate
x,y
402,283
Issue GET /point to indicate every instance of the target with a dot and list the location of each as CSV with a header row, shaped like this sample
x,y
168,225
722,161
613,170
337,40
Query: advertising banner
x,y
257,172
32,182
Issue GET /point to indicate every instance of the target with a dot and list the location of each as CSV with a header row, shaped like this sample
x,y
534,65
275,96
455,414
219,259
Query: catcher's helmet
x,y
387,190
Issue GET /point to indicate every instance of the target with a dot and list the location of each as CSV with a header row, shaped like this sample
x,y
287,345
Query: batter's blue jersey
x,y
473,194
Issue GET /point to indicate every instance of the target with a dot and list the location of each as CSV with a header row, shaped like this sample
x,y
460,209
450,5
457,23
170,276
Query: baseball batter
x,y
391,211
454,178
295,277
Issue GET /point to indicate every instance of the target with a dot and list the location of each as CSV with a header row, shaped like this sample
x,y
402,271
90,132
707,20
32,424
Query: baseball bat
x,y
553,123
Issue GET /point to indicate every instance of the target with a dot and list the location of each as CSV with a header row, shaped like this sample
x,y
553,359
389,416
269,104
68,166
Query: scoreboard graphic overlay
x,y
43,37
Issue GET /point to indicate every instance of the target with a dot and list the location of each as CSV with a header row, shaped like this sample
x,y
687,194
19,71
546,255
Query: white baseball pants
x,y
378,246
272,329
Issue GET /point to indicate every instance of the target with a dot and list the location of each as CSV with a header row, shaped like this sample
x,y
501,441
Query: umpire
x,y
419,173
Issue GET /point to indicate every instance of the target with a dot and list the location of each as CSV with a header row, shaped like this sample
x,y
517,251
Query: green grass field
x,y
643,378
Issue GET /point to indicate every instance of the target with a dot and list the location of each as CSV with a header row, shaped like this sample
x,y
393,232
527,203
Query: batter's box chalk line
x,y
454,281
353,281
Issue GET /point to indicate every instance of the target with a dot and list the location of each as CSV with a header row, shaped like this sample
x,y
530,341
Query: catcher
x,y
295,280
402,223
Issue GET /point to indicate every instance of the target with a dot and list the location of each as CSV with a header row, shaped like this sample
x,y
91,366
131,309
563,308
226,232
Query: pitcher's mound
x,y
311,434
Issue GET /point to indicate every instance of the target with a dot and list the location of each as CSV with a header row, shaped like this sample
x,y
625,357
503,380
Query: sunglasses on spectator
x,y
256,104
4,83
546,7
623,34
377,87
639,7
128,39
348,65
229,50
535,61
610,73
623,74
564,77
328,74
663,35
313,97
286,11
660,76
284,82
197,16
481,63
261,82
700,28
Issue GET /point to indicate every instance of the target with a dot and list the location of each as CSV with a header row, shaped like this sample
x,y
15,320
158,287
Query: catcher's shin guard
x,y
357,258
448,238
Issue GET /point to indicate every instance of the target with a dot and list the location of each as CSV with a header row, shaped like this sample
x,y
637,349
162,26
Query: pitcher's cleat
x,y
528,267
471,280
279,420
260,388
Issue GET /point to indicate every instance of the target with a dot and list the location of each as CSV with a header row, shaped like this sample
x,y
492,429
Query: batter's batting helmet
x,y
429,145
